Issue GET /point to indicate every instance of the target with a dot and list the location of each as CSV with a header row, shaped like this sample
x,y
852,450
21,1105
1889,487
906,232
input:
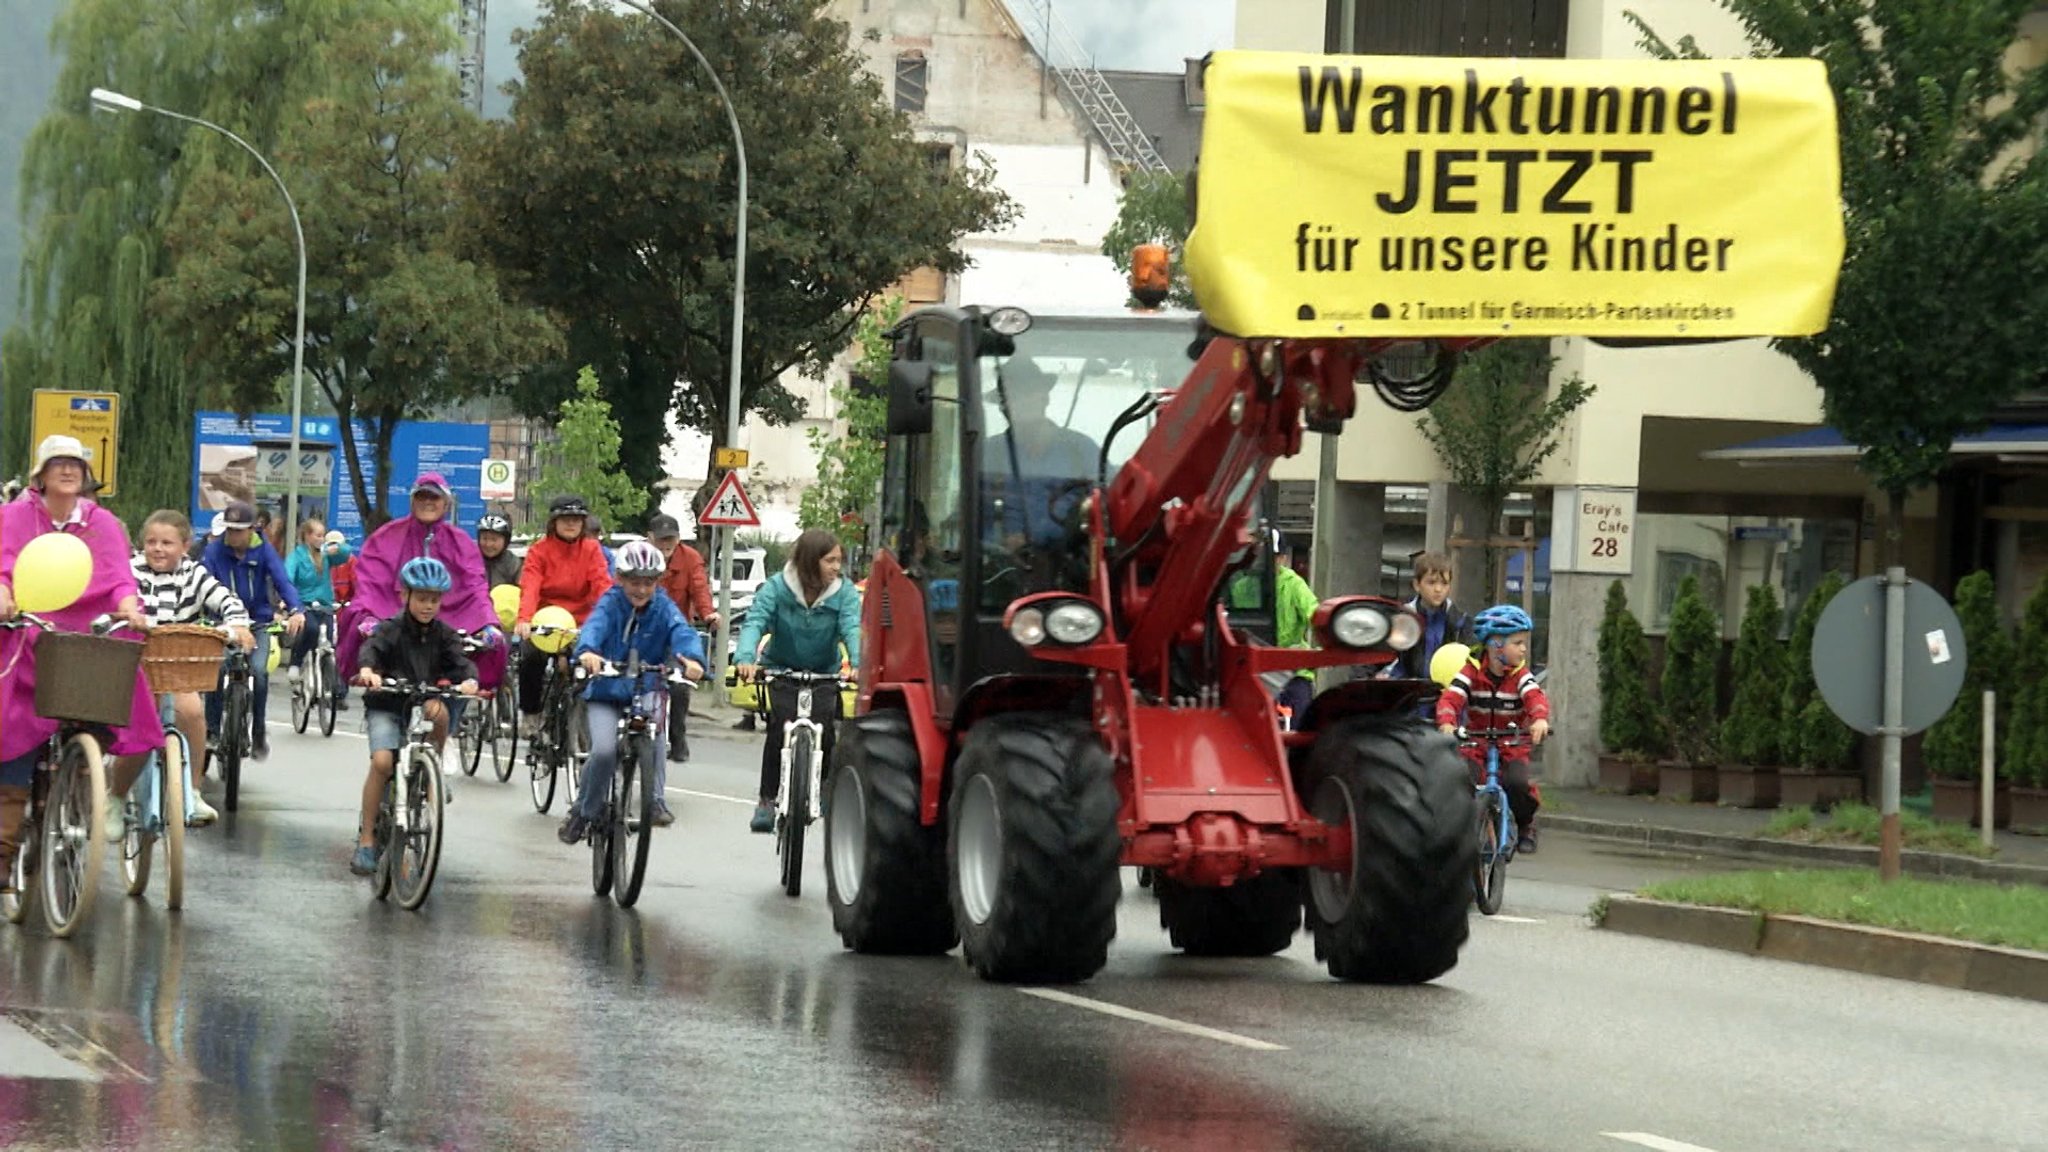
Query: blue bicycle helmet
x,y
424,574
1500,620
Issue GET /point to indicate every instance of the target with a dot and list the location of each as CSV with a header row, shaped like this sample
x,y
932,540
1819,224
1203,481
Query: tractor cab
x,y
1001,423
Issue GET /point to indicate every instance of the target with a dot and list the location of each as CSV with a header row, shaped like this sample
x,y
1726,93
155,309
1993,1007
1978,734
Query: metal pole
x,y
114,101
739,311
1986,793
1894,719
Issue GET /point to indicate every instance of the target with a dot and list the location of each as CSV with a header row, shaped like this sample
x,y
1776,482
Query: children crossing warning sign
x,y
729,506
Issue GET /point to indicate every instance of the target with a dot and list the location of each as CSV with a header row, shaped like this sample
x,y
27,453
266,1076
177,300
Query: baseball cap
x,y
333,538
219,526
664,527
240,514
432,482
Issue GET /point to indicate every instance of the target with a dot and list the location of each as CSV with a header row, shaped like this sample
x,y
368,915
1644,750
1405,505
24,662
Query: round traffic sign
x,y
498,471
1848,656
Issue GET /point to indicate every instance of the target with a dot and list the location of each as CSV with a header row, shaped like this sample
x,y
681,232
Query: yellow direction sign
x,y
1346,196
94,418
729,458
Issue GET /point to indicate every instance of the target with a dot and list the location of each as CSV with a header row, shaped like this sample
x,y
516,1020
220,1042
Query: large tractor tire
x,y
1401,913
1033,847
885,873
1255,917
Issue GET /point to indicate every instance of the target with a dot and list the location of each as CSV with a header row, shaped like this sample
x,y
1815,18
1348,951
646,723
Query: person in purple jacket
x,y
429,529
255,573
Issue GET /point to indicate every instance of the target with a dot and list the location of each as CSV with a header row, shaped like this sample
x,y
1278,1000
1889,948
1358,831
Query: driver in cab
x,y
1036,471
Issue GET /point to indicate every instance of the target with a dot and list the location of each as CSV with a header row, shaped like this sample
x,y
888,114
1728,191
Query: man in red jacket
x,y
688,584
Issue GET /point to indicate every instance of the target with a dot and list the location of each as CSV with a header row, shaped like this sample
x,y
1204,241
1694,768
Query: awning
x,y
1818,445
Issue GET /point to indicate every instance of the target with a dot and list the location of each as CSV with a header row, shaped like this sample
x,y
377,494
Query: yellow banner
x,y
1408,196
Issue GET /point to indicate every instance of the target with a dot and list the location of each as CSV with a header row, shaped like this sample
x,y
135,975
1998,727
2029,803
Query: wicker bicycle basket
x,y
183,658
86,679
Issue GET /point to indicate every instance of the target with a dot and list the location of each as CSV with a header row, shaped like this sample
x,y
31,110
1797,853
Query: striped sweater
x,y
1490,703
187,595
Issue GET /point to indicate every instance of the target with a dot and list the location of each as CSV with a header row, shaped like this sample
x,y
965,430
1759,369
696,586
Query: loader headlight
x,y
1027,627
1405,633
1360,626
1074,622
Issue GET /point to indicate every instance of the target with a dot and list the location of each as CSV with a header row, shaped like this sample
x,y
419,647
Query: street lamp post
x,y
739,312
111,101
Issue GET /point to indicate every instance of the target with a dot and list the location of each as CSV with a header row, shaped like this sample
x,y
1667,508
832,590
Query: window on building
x,y
912,77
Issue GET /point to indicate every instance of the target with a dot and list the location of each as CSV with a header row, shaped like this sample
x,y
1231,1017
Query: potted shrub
x,y
1955,744
1747,776
1692,651
2023,746
1629,728
1820,750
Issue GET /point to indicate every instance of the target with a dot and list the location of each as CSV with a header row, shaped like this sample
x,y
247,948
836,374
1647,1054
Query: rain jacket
x,y
658,632
376,597
568,573
313,575
112,581
257,577
687,583
425,653
803,637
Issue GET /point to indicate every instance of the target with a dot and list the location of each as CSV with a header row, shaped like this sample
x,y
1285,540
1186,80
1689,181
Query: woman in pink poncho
x,y
55,502
428,531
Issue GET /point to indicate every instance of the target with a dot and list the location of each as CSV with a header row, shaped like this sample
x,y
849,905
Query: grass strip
x,y
1858,824
2014,917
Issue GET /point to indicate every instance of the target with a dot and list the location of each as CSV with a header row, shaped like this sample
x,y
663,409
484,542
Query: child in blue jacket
x,y
632,617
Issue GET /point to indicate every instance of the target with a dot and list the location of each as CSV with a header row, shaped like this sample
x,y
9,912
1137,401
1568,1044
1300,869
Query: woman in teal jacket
x,y
311,568
808,614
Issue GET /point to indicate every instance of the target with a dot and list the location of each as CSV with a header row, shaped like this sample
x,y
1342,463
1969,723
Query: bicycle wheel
x,y
796,811
603,831
21,878
417,854
380,879
170,802
232,726
139,840
75,835
633,821
302,700
1490,874
469,741
505,735
330,677
575,749
540,766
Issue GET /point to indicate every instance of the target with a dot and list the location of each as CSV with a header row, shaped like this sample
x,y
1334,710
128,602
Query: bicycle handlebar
x,y
771,675
101,625
398,685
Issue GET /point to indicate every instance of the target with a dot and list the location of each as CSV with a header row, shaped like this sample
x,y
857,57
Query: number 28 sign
x,y
1604,540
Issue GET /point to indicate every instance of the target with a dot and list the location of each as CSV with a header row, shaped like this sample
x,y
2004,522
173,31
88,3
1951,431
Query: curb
x,y
1914,861
1957,964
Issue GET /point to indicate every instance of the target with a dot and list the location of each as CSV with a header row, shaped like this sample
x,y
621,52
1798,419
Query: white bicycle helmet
x,y
639,558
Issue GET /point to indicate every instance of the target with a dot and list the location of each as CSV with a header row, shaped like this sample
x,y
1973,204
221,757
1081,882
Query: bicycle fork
x,y
803,723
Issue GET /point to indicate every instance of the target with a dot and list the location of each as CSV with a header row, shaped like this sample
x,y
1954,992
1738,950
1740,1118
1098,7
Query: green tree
x,y
1944,288
1955,742
609,195
1751,735
1497,424
1816,738
1153,209
583,458
1692,658
397,324
98,192
1629,726
850,461
2025,740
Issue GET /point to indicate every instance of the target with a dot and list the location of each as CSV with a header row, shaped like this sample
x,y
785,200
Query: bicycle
x,y
237,714
408,834
555,746
803,746
319,677
63,838
493,724
1497,834
619,836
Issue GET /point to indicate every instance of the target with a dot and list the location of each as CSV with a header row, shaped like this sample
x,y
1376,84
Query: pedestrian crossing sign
x,y
729,506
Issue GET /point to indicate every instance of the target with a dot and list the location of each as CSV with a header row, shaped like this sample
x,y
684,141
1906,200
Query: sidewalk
x,y
1738,832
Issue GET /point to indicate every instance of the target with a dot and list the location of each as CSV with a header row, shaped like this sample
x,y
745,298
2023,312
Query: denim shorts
x,y
385,729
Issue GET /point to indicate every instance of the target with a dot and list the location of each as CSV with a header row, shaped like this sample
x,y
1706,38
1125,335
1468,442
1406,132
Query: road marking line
x,y
712,796
286,726
1505,919
1165,1022
1660,1143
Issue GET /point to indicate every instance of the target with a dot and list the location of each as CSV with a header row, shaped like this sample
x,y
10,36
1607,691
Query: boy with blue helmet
x,y
1495,692
414,645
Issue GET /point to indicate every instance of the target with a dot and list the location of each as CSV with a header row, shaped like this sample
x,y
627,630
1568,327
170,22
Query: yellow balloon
x,y
556,617
1448,659
51,572
505,598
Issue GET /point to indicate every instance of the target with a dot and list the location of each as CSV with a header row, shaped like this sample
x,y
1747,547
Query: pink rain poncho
x,y
467,606
113,581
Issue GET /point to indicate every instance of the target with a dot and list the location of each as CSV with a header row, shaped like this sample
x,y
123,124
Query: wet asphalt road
x,y
284,1009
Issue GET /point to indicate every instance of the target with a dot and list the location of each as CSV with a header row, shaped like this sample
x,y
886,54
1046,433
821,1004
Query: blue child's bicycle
x,y
1497,833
